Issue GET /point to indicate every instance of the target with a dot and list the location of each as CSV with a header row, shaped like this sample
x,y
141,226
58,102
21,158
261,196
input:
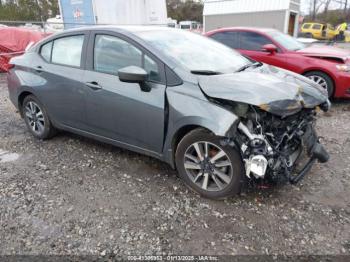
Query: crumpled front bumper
x,y
316,152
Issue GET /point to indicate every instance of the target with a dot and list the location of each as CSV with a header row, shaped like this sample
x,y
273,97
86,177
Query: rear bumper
x,y
13,92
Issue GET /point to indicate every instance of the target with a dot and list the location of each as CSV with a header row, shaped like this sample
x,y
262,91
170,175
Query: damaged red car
x,y
326,65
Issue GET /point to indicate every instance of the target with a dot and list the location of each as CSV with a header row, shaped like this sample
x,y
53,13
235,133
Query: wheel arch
x,y
181,131
330,75
179,134
21,98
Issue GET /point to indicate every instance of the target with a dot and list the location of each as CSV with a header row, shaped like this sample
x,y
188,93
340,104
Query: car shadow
x,y
156,166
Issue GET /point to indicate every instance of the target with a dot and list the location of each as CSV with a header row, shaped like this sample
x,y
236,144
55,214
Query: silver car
x,y
217,117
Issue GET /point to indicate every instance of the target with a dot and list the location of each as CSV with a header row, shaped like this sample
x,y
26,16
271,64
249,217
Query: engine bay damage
x,y
272,146
277,115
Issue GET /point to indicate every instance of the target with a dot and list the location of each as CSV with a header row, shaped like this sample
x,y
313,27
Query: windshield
x,y
286,41
195,52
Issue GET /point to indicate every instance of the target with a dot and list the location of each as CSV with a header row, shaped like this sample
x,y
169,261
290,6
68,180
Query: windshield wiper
x,y
205,72
245,67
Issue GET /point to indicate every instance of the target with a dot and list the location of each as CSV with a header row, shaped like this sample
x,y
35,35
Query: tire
x,y
314,75
219,179
309,35
39,125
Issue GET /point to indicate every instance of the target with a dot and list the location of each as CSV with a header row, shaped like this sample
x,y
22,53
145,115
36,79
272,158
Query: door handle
x,y
93,85
39,69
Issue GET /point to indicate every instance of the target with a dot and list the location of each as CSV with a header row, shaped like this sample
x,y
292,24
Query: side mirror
x,y
270,48
132,74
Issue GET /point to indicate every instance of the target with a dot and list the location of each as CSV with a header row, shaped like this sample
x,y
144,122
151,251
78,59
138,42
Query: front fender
x,y
191,108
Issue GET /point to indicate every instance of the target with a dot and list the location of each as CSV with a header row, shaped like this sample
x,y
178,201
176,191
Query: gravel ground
x,y
75,196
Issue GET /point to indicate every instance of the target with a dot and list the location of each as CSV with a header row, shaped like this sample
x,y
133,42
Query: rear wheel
x,y
309,35
323,80
207,167
36,118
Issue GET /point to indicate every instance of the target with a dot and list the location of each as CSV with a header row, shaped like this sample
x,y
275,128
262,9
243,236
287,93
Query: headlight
x,y
343,67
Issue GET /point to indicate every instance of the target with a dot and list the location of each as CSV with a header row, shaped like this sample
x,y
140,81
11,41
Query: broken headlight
x,y
343,67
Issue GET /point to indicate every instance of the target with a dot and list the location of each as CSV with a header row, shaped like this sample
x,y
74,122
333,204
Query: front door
x,y
118,110
251,44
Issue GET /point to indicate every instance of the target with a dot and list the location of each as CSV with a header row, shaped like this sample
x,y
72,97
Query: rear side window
x,y
68,50
307,26
45,51
229,39
253,41
316,27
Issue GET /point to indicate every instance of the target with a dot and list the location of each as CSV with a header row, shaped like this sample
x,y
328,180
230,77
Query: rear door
x,y
60,66
317,30
118,110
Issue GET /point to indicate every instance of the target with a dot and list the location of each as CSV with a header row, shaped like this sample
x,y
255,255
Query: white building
x,y
130,12
279,14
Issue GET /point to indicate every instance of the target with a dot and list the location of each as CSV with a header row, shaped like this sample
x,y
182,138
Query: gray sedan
x,y
217,117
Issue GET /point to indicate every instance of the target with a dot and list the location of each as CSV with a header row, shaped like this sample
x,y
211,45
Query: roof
x,y
241,28
244,28
215,7
128,28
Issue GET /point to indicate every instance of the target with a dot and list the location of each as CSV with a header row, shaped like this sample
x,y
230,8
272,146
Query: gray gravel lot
x,y
72,195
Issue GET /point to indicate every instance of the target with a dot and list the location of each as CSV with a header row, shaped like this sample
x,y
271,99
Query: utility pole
x,y
314,9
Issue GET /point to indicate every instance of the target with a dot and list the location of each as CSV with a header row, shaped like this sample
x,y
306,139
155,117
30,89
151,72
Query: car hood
x,y
330,52
277,91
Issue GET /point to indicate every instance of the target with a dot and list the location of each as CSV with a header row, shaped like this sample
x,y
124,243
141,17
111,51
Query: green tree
x,y
28,10
185,10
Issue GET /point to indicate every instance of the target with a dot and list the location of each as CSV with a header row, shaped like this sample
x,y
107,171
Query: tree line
x,y
185,10
28,10
329,11
41,10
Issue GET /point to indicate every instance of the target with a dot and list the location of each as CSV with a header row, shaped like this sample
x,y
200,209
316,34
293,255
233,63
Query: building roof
x,y
215,7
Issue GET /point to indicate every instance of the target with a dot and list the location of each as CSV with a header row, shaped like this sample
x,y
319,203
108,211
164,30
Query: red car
x,y
326,65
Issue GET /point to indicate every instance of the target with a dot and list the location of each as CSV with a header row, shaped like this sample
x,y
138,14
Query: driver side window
x,y
253,41
112,53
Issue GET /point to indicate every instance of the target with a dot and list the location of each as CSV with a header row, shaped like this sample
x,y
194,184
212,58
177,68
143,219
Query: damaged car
x,y
326,65
217,117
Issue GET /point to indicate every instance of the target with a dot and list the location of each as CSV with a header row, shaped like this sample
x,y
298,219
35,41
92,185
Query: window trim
x,y
41,47
91,48
83,50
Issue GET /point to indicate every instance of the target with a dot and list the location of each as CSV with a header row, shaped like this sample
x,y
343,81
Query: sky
x,y
305,6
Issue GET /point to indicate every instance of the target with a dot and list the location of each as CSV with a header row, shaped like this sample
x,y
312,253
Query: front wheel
x,y
323,80
209,168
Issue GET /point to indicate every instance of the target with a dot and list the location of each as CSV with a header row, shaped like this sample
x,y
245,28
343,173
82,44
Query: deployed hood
x,y
330,52
274,90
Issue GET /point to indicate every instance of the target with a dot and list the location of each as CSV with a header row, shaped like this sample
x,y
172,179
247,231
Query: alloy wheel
x,y
208,166
35,117
319,80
